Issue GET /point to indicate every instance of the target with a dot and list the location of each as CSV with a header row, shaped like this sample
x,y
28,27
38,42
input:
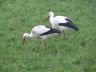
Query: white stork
x,y
41,32
61,22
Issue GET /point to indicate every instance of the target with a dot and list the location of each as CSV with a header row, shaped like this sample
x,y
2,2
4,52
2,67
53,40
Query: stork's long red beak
x,y
46,18
23,40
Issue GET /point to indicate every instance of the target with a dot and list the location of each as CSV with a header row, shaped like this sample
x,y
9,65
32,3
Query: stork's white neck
x,y
52,21
27,35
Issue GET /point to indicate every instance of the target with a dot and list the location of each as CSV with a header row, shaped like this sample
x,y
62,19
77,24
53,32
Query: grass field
x,y
77,54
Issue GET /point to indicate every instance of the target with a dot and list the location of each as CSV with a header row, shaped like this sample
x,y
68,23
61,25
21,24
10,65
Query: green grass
x,y
77,54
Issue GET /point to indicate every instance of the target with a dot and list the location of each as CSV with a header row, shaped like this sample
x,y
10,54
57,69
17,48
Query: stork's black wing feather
x,y
69,24
51,31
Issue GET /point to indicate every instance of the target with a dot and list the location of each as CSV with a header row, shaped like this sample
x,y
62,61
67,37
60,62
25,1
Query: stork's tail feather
x,y
70,24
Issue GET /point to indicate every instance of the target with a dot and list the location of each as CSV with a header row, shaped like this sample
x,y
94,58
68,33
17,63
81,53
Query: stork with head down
x,y
40,32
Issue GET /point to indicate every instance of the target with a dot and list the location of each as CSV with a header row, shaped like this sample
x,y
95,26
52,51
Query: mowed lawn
x,y
76,54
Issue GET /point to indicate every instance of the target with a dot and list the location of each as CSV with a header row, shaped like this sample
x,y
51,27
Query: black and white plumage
x,y
61,22
41,32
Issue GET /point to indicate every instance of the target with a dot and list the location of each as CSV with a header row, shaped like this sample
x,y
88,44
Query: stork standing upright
x,y
61,22
41,32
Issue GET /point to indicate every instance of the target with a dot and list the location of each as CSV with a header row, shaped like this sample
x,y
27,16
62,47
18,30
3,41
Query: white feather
x,y
38,30
59,19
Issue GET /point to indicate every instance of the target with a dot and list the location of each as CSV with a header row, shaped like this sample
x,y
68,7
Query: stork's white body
x,y
38,30
58,19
